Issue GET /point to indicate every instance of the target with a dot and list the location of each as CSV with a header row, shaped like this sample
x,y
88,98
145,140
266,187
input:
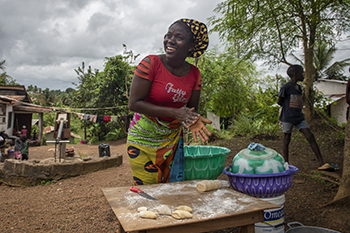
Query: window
x,y
2,113
9,120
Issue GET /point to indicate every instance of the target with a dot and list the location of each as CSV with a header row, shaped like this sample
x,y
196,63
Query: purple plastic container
x,y
262,185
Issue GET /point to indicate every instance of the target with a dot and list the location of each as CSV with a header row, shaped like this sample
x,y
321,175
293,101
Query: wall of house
x,y
339,107
338,111
331,87
8,123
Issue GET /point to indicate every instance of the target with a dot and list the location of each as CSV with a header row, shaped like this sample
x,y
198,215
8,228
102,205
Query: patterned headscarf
x,y
200,36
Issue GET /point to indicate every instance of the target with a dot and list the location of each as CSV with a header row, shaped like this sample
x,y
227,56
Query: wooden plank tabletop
x,y
212,210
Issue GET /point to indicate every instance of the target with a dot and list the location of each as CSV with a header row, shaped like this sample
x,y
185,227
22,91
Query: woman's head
x,y
186,36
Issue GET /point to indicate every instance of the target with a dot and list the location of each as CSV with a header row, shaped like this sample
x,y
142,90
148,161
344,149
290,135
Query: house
x,y
334,91
16,109
49,132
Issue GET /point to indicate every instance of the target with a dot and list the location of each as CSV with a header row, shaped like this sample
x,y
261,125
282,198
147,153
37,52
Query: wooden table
x,y
213,210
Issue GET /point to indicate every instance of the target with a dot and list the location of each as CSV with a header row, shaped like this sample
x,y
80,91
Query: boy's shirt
x,y
292,106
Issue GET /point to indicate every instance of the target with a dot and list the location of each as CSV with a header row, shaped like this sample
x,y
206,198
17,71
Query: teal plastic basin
x,y
204,162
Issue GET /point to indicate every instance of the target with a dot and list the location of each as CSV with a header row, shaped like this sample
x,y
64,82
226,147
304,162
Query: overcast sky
x,y
43,41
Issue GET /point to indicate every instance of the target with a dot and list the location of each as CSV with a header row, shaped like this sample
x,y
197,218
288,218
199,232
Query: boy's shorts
x,y
288,127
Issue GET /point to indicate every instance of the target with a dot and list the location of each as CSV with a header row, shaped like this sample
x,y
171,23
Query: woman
x,y
164,95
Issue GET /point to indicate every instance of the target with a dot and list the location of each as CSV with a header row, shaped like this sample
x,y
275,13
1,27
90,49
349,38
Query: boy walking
x,y
291,101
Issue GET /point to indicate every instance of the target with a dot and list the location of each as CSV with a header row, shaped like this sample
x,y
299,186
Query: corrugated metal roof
x,y
48,129
16,97
331,81
34,109
333,98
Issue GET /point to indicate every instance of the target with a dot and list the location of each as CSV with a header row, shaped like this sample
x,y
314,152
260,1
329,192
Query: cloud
x,y
43,41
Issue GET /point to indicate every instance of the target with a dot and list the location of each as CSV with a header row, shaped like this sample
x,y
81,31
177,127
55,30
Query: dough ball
x,y
148,214
163,210
181,214
208,185
184,207
143,208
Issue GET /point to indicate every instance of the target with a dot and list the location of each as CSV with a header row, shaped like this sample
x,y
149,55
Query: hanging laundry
x,y
107,118
80,115
114,118
127,119
99,119
93,118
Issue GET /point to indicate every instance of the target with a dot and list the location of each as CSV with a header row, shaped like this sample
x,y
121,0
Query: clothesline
x,y
57,108
100,119
89,108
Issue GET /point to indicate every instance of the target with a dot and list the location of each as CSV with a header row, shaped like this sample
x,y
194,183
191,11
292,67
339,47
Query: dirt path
x,y
78,204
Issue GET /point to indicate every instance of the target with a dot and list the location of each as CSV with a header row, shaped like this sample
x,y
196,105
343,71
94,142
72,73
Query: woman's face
x,y
178,41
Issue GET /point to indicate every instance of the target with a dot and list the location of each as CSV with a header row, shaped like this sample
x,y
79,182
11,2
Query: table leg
x,y
121,230
248,229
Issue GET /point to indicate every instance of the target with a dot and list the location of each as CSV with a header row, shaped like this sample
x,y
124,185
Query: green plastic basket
x,y
204,162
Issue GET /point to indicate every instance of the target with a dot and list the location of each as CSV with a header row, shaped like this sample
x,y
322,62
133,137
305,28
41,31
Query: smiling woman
x,y
164,95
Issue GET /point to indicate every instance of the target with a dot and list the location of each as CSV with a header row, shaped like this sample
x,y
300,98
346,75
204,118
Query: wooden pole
x,y
40,128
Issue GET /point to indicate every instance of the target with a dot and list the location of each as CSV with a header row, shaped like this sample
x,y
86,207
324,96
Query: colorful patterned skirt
x,y
151,147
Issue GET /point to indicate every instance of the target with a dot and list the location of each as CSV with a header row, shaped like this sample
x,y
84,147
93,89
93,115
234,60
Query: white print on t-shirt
x,y
179,94
296,101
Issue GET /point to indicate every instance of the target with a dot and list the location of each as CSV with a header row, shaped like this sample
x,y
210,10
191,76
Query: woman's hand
x,y
187,116
200,130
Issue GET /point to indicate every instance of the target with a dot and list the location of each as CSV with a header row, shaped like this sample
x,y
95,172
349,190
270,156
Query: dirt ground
x,y
78,204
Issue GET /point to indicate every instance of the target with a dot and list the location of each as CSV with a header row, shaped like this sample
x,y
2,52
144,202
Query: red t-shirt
x,y
24,132
167,89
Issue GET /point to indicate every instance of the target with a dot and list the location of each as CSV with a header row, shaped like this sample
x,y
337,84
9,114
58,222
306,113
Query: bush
x,y
115,135
245,125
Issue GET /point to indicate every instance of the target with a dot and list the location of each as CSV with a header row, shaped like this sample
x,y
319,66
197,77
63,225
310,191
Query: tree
x,y
271,30
227,80
6,79
84,94
344,188
323,55
47,98
103,89
2,65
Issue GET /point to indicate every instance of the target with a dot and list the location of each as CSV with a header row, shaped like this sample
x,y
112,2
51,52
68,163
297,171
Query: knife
x,y
142,193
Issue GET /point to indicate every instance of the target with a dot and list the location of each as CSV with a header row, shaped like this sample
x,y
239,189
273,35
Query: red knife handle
x,y
134,189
